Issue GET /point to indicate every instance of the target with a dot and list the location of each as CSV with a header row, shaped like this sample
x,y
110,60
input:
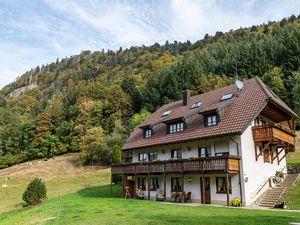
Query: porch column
x,y
134,187
165,186
227,188
182,186
203,190
148,182
122,185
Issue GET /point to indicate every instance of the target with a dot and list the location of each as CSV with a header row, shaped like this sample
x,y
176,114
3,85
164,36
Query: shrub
x,y
35,193
236,202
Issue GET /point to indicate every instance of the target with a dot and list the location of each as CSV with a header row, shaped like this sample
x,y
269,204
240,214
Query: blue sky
x,y
36,32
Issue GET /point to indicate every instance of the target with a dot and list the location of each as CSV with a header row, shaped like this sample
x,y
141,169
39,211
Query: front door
x,y
205,186
128,188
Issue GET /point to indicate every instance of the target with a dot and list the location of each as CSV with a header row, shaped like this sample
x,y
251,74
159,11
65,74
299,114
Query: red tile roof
x,y
242,108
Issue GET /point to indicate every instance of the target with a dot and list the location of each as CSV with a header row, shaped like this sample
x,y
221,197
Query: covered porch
x,y
180,177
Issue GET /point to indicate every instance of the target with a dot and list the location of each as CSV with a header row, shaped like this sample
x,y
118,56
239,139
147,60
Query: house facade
x,y
223,144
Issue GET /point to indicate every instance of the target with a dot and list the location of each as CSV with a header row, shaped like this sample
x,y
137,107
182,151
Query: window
x,y
196,105
227,96
211,120
176,153
166,113
221,185
143,157
154,185
148,133
267,156
176,127
176,183
142,183
204,151
152,156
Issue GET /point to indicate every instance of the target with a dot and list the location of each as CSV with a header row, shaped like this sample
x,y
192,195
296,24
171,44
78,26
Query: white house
x,y
218,145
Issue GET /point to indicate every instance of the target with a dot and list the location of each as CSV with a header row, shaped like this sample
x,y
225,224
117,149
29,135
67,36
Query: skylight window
x,y
196,105
166,113
227,96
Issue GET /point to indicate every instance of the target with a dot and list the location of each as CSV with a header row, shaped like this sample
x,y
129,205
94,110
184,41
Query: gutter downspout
x,y
240,178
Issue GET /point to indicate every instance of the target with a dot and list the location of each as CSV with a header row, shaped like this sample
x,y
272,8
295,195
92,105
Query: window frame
x,y
145,159
224,185
267,156
154,184
151,154
206,152
227,96
212,123
176,153
142,183
148,132
176,127
178,180
196,105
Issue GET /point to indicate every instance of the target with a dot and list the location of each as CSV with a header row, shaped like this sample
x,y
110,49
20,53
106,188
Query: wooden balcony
x,y
218,164
272,133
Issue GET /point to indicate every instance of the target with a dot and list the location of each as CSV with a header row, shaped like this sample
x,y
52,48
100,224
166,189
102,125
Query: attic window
x,y
227,96
148,133
166,113
196,105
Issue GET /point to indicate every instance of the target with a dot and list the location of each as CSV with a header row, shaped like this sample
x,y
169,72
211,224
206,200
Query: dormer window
x,y
175,127
166,113
211,120
226,96
148,133
196,105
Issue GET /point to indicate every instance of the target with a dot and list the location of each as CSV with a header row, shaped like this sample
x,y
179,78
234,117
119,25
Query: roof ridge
x,y
260,83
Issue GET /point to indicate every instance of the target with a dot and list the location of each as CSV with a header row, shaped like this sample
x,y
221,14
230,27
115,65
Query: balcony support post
x,y
148,182
165,183
123,188
182,186
227,182
227,188
202,189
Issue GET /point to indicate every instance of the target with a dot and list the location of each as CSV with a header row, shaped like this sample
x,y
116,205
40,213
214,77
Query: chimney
x,y
186,95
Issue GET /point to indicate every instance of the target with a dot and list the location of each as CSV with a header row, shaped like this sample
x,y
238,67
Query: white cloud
x,y
39,32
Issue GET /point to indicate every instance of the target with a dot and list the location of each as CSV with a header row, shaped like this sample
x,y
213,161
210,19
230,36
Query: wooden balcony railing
x,y
218,164
269,133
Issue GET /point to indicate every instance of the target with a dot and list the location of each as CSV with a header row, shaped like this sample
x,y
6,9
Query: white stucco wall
x,y
255,172
190,149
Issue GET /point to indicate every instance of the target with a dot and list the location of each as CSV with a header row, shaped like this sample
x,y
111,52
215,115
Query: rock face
x,y
293,169
21,90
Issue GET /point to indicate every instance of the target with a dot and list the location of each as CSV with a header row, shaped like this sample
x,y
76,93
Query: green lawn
x,y
11,196
93,206
293,197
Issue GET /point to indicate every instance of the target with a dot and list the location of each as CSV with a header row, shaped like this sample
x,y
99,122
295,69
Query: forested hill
x,y
91,101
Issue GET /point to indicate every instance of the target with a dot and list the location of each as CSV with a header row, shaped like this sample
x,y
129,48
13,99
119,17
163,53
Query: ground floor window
x,y
221,185
176,184
142,183
154,185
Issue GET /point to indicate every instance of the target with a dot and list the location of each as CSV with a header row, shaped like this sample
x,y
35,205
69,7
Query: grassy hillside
x,y
62,177
92,206
293,159
60,107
